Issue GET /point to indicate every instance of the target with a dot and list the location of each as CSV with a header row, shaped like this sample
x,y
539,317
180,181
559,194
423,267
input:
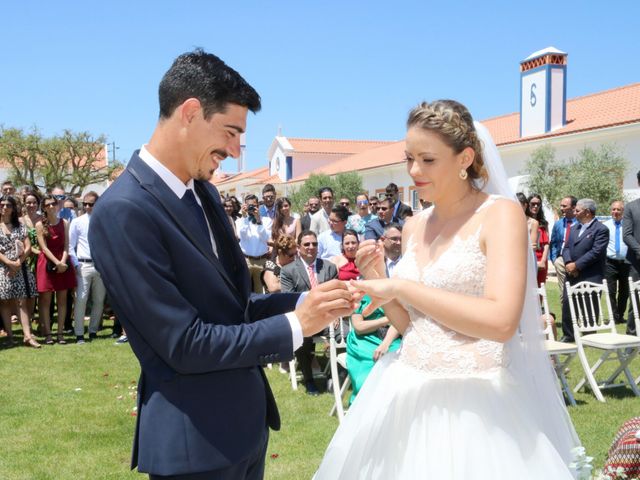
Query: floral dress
x,y
21,284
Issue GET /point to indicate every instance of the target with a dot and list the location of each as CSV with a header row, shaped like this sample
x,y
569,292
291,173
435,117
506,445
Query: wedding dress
x,y
446,406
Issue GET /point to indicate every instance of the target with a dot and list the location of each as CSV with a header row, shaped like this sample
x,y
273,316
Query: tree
x,y
595,173
343,184
73,160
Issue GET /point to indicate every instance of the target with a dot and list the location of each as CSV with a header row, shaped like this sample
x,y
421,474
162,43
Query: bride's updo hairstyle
x,y
453,122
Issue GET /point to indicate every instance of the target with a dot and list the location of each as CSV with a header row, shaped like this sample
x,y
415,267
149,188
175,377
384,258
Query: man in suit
x,y
314,206
400,210
631,237
617,270
584,256
559,236
179,284
374,230
304,273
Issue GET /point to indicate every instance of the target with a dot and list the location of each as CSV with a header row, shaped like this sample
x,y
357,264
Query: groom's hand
x,y
323,304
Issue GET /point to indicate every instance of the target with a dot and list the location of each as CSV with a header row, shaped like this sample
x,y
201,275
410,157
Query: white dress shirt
x,y
611,248
79,239
329,244
254,237
179,188
175,185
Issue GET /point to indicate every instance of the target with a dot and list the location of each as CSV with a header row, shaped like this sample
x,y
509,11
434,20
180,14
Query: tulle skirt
x,y
405,424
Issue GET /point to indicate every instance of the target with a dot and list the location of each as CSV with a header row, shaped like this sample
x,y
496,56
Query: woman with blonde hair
x,y
471,393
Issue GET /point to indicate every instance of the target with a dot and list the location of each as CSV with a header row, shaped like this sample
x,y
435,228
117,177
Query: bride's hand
x,y
380,291
370,260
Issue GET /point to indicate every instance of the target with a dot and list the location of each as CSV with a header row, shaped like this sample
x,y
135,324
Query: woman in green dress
x,y
369,339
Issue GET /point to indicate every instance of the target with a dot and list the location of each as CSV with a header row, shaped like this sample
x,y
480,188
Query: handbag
x,y
51,267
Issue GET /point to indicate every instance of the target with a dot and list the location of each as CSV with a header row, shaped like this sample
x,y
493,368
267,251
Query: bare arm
x,y
271,281
362,326
43,244
495,315
533,233
298,228
383,348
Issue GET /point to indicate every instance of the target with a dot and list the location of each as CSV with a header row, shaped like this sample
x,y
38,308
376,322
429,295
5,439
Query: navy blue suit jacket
x,y
198,333
589,252
555,242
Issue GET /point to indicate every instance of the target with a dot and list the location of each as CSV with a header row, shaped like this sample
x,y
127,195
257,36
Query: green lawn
x,y
67,414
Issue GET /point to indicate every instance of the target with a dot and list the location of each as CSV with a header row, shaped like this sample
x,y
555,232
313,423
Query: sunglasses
x,y
534,204
59,197
384,209
47,205
363,203
310,244
88,204
345,204
7,205
388,195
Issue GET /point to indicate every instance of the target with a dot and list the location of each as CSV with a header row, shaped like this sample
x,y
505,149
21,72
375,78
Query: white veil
x,y
528,358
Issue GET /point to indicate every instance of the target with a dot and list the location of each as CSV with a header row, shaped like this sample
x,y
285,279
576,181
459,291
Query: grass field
x,y
67,413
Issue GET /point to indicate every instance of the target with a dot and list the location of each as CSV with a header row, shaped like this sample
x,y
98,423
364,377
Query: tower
x,y
543,92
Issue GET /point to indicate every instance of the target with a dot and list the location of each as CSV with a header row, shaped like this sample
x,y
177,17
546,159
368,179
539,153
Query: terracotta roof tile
x,y
273,179
258,173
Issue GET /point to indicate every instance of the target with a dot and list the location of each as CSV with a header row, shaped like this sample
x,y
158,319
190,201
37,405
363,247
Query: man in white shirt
x,y
392,241
254,232
87,276
330,241
320,219
617,269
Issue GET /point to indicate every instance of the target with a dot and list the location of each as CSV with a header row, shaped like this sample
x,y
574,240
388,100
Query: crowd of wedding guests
x,y
46,266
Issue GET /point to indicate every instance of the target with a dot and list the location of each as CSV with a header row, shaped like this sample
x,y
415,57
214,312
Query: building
x,y
545,117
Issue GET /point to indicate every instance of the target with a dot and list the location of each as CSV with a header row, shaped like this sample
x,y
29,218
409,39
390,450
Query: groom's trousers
x,y
251,469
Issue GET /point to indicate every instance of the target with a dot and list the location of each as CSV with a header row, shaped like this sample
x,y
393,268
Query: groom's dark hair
x,y
205,77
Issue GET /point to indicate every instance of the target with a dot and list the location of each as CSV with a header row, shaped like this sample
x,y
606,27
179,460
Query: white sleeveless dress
x,y
445,405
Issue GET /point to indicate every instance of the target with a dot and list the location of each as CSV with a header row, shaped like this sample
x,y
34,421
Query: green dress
x,y
360,349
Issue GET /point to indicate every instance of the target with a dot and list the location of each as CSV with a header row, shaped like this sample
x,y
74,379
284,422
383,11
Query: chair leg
x,y
293,375
625,360
589,375
560,366
596,366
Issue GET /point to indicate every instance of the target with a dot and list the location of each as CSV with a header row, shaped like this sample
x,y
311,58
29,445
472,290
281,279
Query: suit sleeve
x,y
264,306
627,233
598,249
131,253
554,243
286,281
369,233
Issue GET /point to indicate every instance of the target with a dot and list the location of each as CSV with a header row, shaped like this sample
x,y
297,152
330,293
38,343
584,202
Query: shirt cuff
x,y
294,323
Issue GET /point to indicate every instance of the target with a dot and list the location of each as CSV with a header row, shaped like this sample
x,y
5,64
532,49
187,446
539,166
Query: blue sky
x,y
331,69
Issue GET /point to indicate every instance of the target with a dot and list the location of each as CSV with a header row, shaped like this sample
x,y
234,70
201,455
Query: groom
x,y
179,284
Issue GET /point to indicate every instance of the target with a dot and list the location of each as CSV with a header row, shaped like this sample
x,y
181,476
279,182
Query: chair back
x,y
338,337
585,305
544,307
634,291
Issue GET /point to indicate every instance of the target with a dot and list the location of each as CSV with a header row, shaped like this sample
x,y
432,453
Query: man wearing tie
x,y
584,256
179,284
559,237
617,269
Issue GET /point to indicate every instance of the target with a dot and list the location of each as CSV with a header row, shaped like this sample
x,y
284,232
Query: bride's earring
x,y
463,174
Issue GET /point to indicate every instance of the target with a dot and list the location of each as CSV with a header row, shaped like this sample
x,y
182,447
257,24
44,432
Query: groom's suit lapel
x,y
180,214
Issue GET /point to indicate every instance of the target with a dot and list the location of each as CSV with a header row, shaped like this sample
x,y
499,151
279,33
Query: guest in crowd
x,y
285,223
285,249
301,275
584,257
346,261
375,228
392,243
30,218
631,236
617,268
71,204
560,236
229,209
54,270
542,247
314,206
16,280
268,208
254,233
369,339
330,241
87,277
8,188
60,196
400,210
373,205
532,223
346,203
320,219
359,220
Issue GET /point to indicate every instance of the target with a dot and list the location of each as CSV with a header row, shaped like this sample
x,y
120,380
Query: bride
x,y
472,393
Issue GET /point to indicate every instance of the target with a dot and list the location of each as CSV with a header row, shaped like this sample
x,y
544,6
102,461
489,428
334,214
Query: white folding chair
x,y
634,292
336,359
293,374
589,320
561,353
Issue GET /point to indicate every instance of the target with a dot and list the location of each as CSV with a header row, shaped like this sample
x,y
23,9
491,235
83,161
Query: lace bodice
x,y
430,346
